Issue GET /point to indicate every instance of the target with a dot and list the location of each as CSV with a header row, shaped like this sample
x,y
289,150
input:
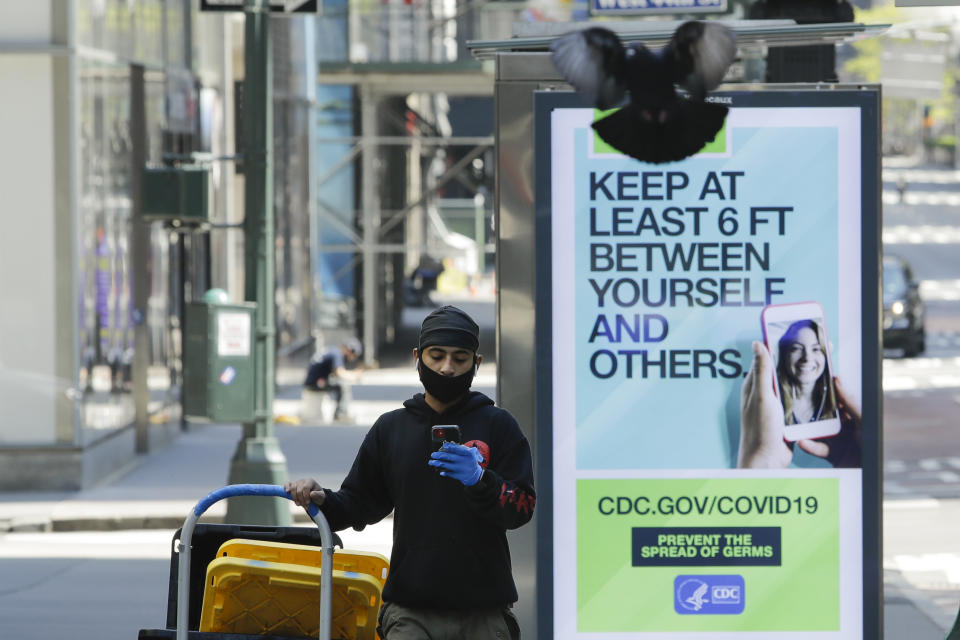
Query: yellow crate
x,y
366,562
257,597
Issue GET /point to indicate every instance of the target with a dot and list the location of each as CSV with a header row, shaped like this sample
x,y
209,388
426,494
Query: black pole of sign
x,y
258,458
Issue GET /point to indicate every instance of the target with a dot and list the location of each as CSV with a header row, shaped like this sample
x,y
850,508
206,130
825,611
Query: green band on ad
x,y
717,145
778,537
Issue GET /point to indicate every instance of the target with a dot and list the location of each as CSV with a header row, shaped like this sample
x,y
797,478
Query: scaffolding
x,y
402,131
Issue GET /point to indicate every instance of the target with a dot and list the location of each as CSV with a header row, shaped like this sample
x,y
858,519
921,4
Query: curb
x,y
906,593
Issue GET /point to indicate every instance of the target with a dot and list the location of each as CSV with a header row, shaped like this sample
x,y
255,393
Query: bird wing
x,y
592,60
702,53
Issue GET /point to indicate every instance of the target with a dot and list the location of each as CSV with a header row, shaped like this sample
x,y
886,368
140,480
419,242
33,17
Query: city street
x,y
106,585
922,395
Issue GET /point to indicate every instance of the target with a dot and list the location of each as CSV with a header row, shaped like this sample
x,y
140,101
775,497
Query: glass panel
x,y
176,31
336,205
148,45
331,29
89,22
162,315
207,44
106,330
119,28
429,31
291,208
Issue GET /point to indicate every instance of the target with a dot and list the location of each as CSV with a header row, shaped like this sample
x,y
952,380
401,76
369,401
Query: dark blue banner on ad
x,y
706,546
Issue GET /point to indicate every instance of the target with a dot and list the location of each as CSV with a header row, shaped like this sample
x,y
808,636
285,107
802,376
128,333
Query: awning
x,y
537,36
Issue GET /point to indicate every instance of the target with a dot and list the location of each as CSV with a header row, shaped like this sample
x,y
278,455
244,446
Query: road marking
x,y
947,563
908,374
920,503
929,464
149,544
127,544
940,290
929,198
921,234
928,176
895,466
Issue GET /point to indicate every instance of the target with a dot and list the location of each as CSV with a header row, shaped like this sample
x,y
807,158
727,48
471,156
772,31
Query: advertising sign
x,y
713,416
651,7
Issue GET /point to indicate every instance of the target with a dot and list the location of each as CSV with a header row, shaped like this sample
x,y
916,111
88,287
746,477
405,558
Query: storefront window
x,y
106,329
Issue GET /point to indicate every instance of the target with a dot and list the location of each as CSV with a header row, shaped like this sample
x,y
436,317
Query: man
x,y
450,574
323,372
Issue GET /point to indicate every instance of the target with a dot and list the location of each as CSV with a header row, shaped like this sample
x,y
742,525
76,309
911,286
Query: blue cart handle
x,y
234,490
271,490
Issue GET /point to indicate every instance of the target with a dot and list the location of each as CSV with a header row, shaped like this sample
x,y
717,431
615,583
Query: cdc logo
x,y
705,595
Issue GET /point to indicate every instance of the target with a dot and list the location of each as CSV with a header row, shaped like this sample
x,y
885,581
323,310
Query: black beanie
x,y
449,327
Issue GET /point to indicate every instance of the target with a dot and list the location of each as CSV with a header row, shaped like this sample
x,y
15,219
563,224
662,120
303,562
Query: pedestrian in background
x,y
450,571
325,372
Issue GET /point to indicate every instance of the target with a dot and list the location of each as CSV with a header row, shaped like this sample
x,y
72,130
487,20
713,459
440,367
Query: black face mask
x,y
445,388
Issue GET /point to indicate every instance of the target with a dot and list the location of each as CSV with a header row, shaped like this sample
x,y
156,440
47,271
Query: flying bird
x,y
656,122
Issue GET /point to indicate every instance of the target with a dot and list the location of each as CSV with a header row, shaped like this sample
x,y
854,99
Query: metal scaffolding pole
x,y
371,211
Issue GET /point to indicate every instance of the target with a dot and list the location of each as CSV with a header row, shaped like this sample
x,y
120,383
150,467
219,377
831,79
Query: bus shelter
x,y
630,299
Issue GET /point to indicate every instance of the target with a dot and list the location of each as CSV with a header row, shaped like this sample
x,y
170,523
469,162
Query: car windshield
x,y
894,280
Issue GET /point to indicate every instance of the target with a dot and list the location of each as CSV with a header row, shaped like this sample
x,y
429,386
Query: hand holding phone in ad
x,y
761,418
842,450
791,395
796,336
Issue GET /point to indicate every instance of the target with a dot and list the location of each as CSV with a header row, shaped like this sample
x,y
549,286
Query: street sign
x,y
651,7
276,6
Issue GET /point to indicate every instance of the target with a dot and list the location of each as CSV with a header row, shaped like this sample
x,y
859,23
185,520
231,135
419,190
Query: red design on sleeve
x,y
521,500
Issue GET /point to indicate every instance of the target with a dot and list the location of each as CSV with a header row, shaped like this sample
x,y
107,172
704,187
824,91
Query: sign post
x,y
258,458
690,515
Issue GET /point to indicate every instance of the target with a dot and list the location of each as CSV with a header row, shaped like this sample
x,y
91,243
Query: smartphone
x,y
441,433
796,335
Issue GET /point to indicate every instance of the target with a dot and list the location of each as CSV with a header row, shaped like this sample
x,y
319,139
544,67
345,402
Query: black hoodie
x,y
449,541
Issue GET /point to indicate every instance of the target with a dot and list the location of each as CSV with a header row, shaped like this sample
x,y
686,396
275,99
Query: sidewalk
x,y
158,490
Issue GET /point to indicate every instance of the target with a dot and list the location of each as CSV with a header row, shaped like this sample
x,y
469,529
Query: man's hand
x,y
761,417
458,462
305,491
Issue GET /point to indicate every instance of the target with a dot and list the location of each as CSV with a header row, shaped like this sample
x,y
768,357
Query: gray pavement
x,y
158,489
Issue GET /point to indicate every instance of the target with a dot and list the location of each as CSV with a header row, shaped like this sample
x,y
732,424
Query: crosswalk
x,y
929,580
153,544
929,477
913,175
921,374
921,234
927,198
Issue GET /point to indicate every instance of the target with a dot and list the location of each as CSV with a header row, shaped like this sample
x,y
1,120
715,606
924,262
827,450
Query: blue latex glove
x,y
458,462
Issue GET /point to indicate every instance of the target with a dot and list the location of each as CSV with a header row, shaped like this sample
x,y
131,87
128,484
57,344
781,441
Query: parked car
x,y
903,311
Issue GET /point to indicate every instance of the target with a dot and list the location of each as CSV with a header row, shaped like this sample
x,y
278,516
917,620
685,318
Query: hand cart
x,y
183,573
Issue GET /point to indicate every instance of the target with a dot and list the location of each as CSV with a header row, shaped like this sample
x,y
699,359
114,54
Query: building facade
x,y
94,295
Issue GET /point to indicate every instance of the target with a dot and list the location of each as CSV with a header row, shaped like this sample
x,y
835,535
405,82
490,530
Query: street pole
x,y
258,458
